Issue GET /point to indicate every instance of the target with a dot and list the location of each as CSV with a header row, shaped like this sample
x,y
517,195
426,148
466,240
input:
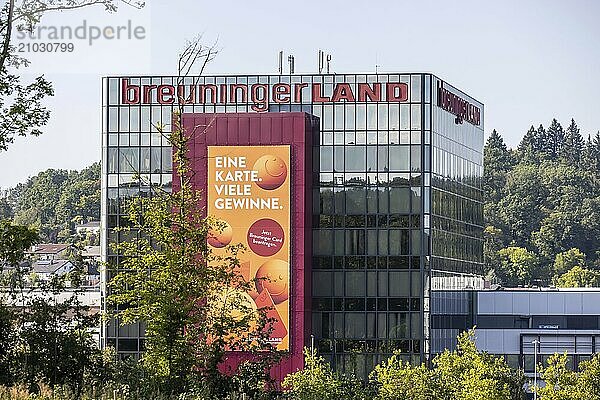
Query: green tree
x,y
395,379
528,148
37,203
520,208
518,266
578,277
497,161
566,260
560,382
42,339
555,139
589,379
467,373
493,243
572,149
6,211
591,154
79,200
316,381
558,231
548,206
184,302
193,302
15,240
54,344
54,201
7,338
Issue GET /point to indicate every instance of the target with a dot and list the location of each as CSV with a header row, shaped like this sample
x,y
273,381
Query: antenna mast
x,y
281,62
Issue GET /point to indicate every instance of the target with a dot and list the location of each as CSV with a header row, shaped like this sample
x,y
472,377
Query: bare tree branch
x,y
7,35
193,52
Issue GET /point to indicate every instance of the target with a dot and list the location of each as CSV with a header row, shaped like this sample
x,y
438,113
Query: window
x,y
355,201
322,242
582,322
127,345
399,283
399,158
399,200
129,160
326,158
322,283
355,283
355,241
355,158
355,325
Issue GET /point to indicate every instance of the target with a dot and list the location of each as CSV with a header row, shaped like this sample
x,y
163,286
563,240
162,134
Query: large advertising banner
x,y
249,190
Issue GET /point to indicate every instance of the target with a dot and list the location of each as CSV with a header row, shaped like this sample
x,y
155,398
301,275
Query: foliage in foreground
x,y
317,381
564,384
463,374
42,339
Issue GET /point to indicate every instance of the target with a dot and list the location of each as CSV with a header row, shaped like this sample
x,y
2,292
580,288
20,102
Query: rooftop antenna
x,y
328,61
320,61
281,62
291,61
376,65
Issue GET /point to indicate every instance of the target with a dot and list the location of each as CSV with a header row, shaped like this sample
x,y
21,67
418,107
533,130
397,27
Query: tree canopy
x,y
54,201
541,204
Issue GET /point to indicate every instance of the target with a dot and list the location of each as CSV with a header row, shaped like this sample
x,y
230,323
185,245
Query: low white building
x,y
511,322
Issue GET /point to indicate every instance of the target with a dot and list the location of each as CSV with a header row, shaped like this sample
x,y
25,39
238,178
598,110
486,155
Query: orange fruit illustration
x,y
272,171
220,238
273,275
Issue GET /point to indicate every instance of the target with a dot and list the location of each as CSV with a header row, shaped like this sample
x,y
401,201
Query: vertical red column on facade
x,y
254,129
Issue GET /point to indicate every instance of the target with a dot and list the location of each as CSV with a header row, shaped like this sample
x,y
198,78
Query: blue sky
x,y
527,61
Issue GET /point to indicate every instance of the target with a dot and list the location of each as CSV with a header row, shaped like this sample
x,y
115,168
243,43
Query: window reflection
x,y
382,116
415,117
326,159
355,158
350,117
371,116
404,116
371,158
361,116
129,160
399,158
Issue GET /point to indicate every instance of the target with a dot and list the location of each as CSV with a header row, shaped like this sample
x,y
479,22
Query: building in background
x,y
44,270
396,195
91,227
48,264
49,251
511,321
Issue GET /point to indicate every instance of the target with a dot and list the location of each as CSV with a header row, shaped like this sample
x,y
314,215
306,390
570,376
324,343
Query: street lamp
x,y
535,353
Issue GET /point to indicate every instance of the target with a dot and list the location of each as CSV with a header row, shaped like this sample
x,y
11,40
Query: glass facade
x,y
396,200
